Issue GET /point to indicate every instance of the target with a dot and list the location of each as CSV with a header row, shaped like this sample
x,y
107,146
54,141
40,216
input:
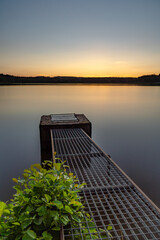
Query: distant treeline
x,y
144,80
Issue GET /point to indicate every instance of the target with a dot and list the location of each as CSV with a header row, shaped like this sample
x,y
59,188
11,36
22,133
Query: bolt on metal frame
x,y
109,196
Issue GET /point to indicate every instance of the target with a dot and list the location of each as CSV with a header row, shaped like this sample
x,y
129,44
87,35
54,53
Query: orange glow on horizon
x,y
72,73
89,63
77,65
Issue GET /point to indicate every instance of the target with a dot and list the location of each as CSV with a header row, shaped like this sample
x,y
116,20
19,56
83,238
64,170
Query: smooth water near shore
x,y
125,123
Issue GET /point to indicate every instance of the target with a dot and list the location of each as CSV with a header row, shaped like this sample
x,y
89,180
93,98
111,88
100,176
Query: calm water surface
x,y
125,122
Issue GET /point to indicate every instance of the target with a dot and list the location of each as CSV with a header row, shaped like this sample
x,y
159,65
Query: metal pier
x,y
110,196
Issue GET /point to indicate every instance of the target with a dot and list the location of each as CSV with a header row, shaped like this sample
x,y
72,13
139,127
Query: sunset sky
x,y
80,38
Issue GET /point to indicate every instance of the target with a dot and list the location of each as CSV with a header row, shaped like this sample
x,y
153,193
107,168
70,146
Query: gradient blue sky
x,y
80,38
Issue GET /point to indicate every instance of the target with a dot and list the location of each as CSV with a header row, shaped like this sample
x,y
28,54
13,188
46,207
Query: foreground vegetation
x,y
45,200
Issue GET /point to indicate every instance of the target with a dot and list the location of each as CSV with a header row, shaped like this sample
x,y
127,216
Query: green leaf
x,y
6,212
58,204
56,228
48,198
29,208
27,171
41,210
57,166
23,216
21,181
91,224
93,230
47,236
29,235
52,177
26,223
17,187
15,180
38,221
10,206
68,209
64,220
17,210
64,194
2,207
109,227
54,214
37,165
25,175
75,218
16,223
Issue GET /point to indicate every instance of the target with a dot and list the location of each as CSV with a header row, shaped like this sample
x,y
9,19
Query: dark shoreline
x,y
91,84
148,80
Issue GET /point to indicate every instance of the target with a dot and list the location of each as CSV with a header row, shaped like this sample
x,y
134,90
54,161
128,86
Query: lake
x,y
125,124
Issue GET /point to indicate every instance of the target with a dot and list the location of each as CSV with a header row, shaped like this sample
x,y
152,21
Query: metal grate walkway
x,y
109,196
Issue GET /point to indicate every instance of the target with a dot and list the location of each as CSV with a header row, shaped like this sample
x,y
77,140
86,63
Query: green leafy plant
x,y
45,200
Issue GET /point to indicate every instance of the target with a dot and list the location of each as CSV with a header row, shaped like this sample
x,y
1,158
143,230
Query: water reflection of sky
x,y
126,124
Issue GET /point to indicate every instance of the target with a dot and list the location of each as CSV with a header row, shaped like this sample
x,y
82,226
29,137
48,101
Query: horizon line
x,y
47,76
